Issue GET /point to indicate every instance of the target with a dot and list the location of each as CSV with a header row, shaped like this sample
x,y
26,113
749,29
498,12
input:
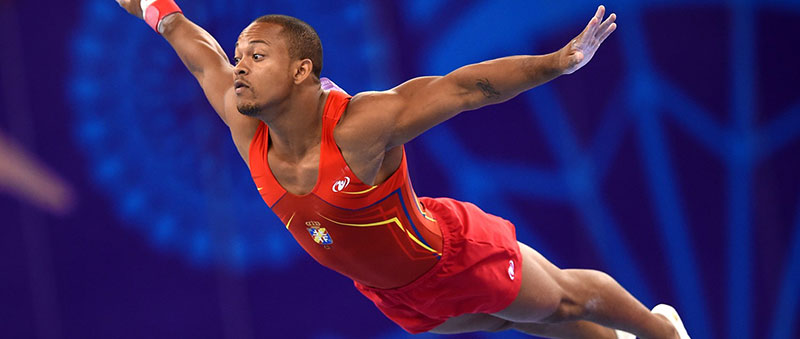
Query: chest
x,y
301,176
298,177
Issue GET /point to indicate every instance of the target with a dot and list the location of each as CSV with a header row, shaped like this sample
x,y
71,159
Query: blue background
x,y
670,161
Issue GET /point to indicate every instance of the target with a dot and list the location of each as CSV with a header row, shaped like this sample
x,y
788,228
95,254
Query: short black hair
x,y
303,41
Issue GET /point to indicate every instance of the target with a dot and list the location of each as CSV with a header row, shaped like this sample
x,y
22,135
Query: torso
x,y
370,164
348,202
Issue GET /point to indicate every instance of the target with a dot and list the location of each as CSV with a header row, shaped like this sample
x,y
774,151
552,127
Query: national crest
x,y
320,235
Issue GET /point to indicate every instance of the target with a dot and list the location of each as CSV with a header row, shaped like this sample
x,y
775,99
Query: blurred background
x,y
670,161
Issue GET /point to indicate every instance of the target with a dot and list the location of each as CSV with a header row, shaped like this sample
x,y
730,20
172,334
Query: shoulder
x,y
372,100
367,121
373,108
389,101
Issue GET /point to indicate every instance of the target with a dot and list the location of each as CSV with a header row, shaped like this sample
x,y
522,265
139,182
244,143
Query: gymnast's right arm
x,y
206,60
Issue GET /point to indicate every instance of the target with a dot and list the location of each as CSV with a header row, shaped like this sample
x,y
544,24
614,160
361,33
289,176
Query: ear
x,y
302,70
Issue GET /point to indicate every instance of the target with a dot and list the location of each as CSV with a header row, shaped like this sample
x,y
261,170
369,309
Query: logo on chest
x,y
319,234
340,184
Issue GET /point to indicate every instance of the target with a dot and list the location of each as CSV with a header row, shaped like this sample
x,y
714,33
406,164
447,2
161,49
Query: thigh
x,y
478,322
540,293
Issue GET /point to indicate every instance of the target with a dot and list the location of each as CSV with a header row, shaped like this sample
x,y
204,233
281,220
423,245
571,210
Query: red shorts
x,y
480,270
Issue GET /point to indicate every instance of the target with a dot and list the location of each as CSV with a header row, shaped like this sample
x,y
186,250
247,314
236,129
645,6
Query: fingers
x,y
602,31
606,28
601,11
592,28
607,32
609,21
595,31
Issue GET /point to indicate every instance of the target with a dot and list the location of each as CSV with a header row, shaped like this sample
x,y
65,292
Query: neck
x,y
296,125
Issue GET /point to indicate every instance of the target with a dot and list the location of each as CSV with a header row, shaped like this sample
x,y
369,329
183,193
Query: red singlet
x,y
418,271
379,236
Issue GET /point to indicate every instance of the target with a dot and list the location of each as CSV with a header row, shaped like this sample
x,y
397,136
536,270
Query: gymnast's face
x,y
262,73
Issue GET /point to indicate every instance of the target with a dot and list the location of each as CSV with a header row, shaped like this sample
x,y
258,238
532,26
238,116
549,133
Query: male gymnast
x,y
333,169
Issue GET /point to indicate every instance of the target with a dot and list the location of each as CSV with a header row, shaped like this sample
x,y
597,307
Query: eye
x,y
258,56
235,61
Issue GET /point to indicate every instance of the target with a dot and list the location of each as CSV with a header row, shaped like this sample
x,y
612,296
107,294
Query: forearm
x,y
498,80
198,50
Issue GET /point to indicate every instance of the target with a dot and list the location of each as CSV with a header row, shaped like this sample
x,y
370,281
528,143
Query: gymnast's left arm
x,y
427,101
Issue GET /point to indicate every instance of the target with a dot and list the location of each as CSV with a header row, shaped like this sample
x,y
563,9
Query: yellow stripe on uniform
x,y
361,192
381,223
420,209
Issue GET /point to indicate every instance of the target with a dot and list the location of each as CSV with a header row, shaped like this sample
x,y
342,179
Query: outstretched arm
x,y
209,64
422,103
203,56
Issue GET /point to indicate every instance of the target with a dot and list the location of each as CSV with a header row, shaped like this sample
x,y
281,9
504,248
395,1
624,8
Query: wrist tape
x,y
155,10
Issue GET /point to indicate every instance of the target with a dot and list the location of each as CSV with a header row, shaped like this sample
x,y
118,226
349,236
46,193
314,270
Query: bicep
x,y
217,84
203,57
424,103
206,60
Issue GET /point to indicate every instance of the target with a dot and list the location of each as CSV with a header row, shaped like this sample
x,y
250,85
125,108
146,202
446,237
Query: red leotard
x,y
379,236
418,271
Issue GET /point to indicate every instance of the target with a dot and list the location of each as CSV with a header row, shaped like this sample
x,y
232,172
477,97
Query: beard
x,y
250,110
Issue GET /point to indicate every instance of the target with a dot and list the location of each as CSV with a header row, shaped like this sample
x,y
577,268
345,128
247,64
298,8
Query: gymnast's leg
x,y
550,295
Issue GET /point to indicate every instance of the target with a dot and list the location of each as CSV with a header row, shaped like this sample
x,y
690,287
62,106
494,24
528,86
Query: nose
x,y
240,69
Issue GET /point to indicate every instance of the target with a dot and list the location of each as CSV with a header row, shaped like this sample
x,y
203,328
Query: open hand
x,y
581,49
132,6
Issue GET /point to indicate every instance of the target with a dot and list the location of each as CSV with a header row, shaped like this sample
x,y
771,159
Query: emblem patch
x,y
320,235
340,184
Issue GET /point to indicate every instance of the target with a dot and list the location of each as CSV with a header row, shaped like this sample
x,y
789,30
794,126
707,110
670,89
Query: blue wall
x,y
671,162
